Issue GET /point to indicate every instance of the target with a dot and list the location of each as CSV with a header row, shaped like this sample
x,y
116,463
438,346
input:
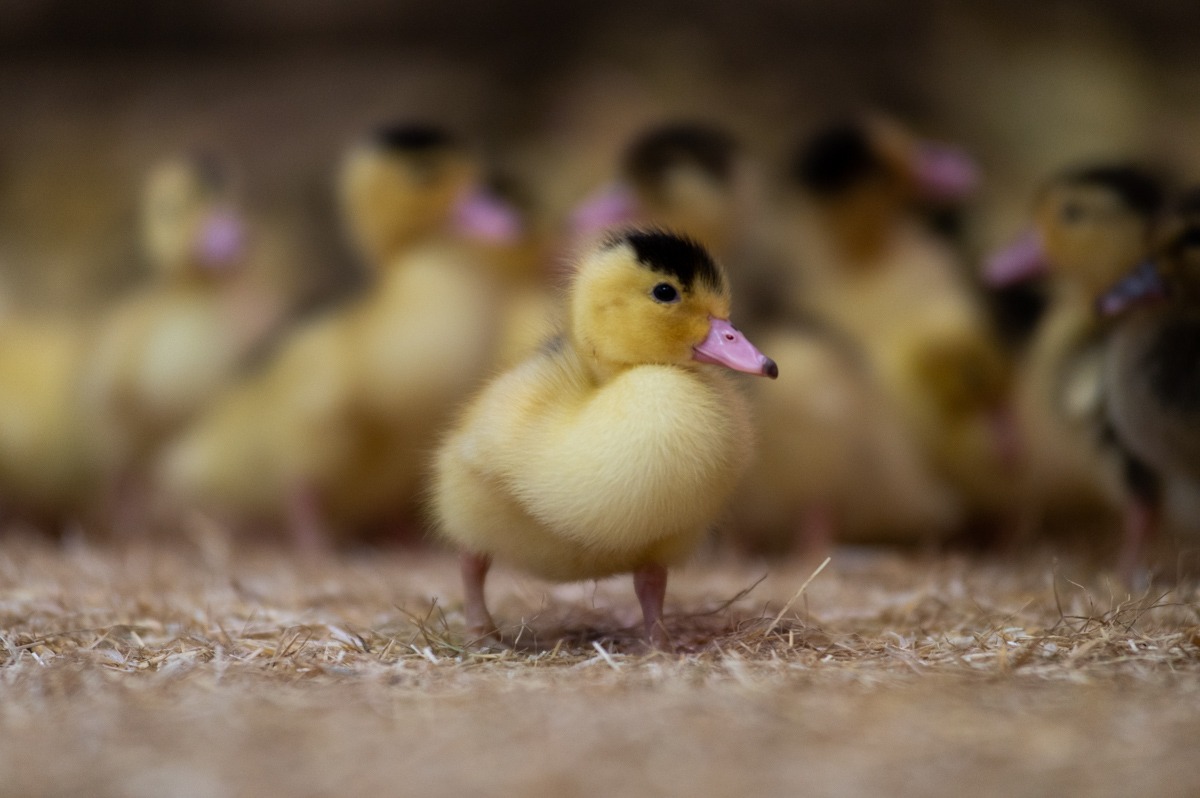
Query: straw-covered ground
x,y
195,670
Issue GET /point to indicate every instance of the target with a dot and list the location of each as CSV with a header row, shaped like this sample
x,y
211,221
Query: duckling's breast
x,y
588,481
654,452
1153,390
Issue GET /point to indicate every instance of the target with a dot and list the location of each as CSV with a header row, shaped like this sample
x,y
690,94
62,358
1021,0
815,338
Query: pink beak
x,y
221,241
945,173
1021,260
481,216
612,206
726,346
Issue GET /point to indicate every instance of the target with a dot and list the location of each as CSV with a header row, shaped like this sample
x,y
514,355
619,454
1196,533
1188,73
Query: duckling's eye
x,y
665,292
1072,213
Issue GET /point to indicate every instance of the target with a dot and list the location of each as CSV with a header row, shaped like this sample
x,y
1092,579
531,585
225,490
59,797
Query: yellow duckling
x,y
1092,224
826,430
613,450
870,269
529,293
164,353
1152,378
332,435
47,470
683,176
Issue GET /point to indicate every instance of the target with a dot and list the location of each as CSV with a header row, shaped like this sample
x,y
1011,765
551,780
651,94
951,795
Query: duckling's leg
x,y
650,585
306,524
474,568
1142,516
817,530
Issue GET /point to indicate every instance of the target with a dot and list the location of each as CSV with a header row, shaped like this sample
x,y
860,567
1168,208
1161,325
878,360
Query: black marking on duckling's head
x,y
1186,241
1189,202
835,160
1138,190
654,154
673,255
1172,363
413,138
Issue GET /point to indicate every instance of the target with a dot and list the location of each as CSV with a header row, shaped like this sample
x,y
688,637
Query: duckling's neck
x,y
861,235
195,279
597,370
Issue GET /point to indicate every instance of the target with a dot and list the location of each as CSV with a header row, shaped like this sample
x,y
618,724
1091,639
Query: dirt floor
x,y
194,670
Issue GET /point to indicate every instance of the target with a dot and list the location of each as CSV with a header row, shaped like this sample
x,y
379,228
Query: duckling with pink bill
x,y
1152,377
613,449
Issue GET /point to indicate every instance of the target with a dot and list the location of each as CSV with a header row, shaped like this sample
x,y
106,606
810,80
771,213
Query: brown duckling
x,y
1092,224
1152,376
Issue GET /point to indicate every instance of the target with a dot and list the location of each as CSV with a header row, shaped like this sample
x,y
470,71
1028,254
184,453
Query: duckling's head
x,y
1091,225
864,173
652,297
1172,274
190,227
408,181
1180,248
684,176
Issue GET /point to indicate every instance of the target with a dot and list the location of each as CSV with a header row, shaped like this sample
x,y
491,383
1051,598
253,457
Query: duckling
x,y
529,293
866,262
331,435
1092,224
824,430
47,465
1152,376
614,449
163,354
682,176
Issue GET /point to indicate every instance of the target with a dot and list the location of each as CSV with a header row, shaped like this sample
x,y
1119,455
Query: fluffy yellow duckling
x,y
47,470
332,435
164,353
682,176
1152,377
870,268
825,429
529,292
613,450
1092,224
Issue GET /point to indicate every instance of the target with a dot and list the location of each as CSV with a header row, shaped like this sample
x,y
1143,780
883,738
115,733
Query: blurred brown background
x,y
93,93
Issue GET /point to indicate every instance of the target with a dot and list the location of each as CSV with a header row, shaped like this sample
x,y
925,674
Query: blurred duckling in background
x,y
868,267
332,435
1152,379
687,177
614,449
47,463
825,430
1092,224
530,293
163,354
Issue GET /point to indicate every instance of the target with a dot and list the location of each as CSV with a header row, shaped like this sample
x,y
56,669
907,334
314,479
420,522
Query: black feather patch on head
x,y
654,154
412,137
836,159
1189,202
672,255
1138,190
1187,239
